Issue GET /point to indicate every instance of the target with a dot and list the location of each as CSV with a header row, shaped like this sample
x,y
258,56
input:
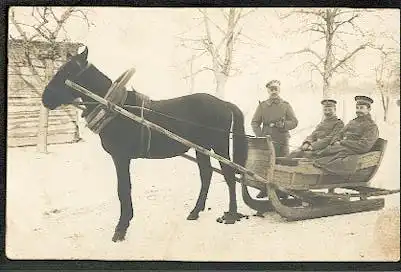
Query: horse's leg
x,y
124,194
205,169
229,175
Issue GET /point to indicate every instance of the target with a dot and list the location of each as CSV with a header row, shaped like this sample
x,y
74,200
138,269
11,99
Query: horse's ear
x,y
84,54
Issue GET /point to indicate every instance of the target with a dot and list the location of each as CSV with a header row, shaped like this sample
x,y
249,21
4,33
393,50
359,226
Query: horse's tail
x,y
240,145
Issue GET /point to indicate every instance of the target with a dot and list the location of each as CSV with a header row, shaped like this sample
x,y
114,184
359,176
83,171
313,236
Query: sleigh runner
x,y
291,184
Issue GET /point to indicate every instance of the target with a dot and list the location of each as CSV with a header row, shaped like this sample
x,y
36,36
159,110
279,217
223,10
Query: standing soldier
x,y
276,117
324,132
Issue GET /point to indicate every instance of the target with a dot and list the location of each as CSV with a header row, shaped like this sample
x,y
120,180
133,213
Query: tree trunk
x,y
326,87
387,102
344,117
221,80
329,58
192,78
44,115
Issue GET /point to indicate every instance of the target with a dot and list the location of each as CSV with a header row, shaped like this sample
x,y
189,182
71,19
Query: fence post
x,y
44,114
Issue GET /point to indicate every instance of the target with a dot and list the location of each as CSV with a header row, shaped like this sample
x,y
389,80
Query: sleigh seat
x,y
365,159
299,173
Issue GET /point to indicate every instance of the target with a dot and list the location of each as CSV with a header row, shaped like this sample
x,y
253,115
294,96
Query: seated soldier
x,y
323,133
357,137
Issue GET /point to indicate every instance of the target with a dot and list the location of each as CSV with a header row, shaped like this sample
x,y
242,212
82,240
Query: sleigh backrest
x,y
369,163
374,156
380,145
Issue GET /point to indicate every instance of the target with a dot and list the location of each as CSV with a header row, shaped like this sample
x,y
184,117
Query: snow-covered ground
x,y
64,205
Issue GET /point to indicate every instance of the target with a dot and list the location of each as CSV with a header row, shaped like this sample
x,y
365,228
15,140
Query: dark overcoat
x,y
280,113
341,156
321,137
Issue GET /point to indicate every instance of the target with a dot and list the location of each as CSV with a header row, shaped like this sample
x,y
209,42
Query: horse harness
x,y
145,104
99,117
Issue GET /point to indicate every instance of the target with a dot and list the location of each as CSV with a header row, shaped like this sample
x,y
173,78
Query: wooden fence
x,y
24,90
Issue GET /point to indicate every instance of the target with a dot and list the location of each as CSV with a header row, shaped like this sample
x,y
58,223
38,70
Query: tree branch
x,y
198,72
240,15
253,40
306,50
17,26
209,43
338,24
347,57
318,13
64,17
216,26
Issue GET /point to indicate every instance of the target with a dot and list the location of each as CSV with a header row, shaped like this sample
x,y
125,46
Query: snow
x,y
64,205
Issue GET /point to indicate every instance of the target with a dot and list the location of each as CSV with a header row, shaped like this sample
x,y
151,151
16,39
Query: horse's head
x,y
57,92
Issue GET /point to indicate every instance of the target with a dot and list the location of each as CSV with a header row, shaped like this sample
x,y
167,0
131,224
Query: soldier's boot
x,y
262,193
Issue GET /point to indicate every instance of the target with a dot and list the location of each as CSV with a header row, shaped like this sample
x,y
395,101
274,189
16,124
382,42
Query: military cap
x,y
363,100
328,102
273,83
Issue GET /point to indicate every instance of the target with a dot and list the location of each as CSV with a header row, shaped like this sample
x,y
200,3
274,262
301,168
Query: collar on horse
x,y
117,94
99,117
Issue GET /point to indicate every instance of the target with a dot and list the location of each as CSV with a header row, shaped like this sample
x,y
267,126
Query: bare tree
x,y
388,76
331,26
46,25
220,36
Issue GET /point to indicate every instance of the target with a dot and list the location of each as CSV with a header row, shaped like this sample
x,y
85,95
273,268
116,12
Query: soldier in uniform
x,y
276,117
357,137
323,133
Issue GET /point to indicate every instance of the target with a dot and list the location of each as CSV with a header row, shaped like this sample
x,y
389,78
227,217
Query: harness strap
x,y
145,153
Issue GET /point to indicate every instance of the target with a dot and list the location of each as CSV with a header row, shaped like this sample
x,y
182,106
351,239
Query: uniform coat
x,y
321,137
279,112
357,137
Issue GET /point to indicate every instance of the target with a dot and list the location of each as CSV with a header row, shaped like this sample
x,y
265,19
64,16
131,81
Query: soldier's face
x,y
273,91
329,110
362,110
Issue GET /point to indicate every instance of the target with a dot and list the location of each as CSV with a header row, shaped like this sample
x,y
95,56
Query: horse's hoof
x,y
118,236
229,218
259,214
193,216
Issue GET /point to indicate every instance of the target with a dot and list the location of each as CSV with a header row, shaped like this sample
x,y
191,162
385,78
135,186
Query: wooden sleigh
x,y
308,191
263,170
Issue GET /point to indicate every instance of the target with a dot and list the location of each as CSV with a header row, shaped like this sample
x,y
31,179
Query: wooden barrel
x,y
258,161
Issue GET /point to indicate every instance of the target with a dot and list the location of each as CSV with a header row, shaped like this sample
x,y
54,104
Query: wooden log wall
x,y
24,100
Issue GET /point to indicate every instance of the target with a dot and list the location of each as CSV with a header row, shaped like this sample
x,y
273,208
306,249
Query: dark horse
x,y
200,118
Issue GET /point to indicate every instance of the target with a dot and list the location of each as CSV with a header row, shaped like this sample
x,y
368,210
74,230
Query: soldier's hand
x,y
305,146
279,124
271,125
337,143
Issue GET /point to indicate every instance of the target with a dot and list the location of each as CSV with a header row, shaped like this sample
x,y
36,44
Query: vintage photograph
x,y
203,134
